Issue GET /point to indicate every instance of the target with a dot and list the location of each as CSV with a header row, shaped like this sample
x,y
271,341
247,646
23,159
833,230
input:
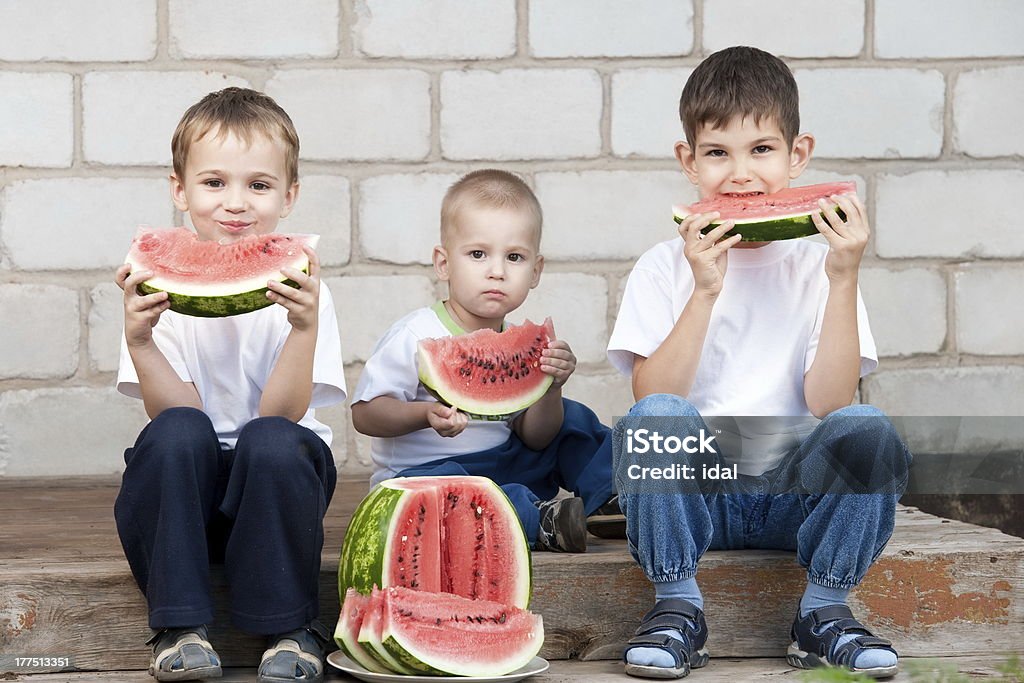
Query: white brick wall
x,y
400,216
651,96
324,208
610,28
577,305
788,28
949,214
529,114
106,326
988,321
40,332
948,28
59,31
609,395
435,29
36,119
873,113
255,29
111,98
346,115
963,391
986,112
906,310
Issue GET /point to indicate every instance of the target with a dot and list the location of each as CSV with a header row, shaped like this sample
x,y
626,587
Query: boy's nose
x,y
234,200
497,270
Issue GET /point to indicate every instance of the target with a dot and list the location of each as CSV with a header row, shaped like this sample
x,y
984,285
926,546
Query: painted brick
x,y
152,101
530,114
578,306
363,461
645,111
61,31
338,418
610,28
986,321
373,114
435,29
253,29
977,391
86,431
986,112
324,208
400,216
923,214
873,113
609,214
948,28
809,28
906,308
78,223
608,395
106,326
368,305
36,119
35,345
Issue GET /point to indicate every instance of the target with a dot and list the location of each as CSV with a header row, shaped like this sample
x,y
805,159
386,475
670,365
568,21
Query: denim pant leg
x,y
281,482
667,532
166,502
843,533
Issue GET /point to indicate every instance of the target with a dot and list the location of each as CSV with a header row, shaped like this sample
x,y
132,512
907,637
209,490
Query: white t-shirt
x,y
392,371
229,360
761,339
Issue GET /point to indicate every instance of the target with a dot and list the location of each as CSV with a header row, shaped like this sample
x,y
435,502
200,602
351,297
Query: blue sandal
x,y
689,652
295,656
183,654
812,645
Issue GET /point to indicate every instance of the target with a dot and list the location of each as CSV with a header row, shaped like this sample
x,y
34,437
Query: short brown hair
x,y
740,81
240,111
492,188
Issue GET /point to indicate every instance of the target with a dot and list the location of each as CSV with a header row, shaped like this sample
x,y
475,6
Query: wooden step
x,y
941,588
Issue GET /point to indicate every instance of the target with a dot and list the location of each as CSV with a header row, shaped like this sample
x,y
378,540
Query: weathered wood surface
x,y
940,588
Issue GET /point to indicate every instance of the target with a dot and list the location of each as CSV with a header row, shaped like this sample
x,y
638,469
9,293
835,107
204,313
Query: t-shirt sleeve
x,y
868,353
328,366
391,368
645,318
166,339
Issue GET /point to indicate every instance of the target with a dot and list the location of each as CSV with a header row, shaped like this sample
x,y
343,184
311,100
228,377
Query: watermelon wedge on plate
x,y
212,280
782,215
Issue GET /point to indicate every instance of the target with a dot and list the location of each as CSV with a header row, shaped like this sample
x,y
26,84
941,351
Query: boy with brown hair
x,y
767,358
233,466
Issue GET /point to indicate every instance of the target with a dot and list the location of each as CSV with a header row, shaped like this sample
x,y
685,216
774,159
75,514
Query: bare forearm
x,y
541,421
289,388
386,416
159,384
672,367
832,379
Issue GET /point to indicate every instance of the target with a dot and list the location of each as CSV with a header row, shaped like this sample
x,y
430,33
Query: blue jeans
x,y
836,535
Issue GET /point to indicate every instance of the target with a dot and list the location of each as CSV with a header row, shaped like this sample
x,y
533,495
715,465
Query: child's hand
x,y
558,361
141,312
846,241
706,254
446,420
303,304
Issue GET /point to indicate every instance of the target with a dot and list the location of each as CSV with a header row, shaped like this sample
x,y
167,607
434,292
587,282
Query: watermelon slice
x,y
353,609
764,218
212,280
488,374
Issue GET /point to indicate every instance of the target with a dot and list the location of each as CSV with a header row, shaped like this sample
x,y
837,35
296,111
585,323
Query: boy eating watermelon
x,y
760,344
490,257
233,465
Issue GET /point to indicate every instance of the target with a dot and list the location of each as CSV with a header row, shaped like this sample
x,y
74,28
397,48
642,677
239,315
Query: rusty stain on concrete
x,y
907,593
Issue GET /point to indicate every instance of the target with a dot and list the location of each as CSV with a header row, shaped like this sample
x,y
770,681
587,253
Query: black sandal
x,y
688,653
811,649
295,656
183,654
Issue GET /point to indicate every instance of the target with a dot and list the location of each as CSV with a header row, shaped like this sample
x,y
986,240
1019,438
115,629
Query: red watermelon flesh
x,y
370,635
353,609
792,201
485,373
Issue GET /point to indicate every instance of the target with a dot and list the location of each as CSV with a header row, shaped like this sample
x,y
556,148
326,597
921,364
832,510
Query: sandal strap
x,y
679,615
810,637
846,653
679,649
673,606
830,613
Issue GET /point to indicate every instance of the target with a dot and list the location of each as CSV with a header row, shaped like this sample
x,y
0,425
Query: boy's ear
x,y
440,258
803,148
178,194
538,268
290,197
685,156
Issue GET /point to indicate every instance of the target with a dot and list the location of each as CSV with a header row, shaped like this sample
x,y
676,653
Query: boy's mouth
x,y
741,195
234,226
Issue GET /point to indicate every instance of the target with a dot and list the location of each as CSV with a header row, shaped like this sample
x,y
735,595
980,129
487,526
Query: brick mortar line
x,y
163,30
346,22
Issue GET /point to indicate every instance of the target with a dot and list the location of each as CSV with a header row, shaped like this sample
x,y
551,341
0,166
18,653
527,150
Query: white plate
x,y
338,660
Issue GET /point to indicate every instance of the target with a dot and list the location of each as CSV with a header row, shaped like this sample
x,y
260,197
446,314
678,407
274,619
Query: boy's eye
x,y
259,186
476,253
716,153
762,149
213,182
515,258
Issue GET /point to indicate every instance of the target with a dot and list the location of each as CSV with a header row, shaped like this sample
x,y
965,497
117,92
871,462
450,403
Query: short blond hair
x,y
242,112
492,188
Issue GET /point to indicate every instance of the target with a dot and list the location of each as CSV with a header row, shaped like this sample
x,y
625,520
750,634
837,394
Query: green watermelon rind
x,y
217,306
376,649
756,230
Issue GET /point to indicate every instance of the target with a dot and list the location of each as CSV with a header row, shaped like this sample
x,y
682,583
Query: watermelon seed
x,y
438,621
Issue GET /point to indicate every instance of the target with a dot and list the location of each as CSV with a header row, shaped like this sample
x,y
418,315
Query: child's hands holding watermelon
x,y
303,303
846,239
141,312
558,361
446,420
706,254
